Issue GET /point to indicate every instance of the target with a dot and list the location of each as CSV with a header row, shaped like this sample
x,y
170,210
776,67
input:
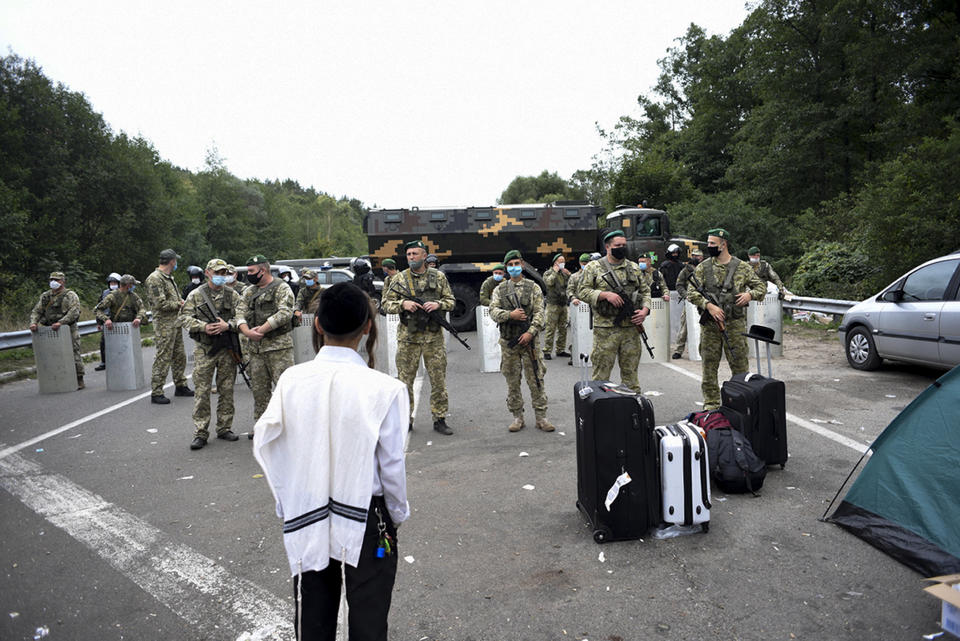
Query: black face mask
x,y
254,278
619,252
713,251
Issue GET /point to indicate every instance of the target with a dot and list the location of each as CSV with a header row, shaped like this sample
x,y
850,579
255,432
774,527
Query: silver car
x,y
916,319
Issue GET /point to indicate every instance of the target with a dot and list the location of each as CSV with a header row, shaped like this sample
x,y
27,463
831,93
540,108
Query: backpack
x,y
710,420
735,468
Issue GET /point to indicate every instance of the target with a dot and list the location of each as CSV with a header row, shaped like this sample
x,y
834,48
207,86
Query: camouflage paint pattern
x,y
517,363
431,349
170,356
766,274
711,348
203,368
556,331
120,307
265,368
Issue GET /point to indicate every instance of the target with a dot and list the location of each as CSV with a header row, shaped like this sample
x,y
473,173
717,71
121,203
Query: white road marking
x,y
4,453
191,585
796,420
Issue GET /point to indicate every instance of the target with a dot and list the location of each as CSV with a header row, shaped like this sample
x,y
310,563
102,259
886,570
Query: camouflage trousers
x,y
265,369
203,368
516,363
556,327
712,347
77,358
682,334
617,344
434,356
170,354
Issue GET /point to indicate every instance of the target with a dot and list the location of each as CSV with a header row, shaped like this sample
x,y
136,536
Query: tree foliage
x,y
545,188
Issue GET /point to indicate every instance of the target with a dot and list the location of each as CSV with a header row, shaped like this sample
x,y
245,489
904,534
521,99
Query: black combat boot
x,y
440,425
228,435
183,390
198,443
160,400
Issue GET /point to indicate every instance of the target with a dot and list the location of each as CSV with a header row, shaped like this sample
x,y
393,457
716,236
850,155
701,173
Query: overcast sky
x,y
395,103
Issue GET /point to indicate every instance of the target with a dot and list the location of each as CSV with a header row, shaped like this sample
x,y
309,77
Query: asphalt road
x,y
114,529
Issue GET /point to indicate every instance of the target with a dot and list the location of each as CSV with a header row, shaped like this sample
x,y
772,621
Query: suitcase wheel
x,y
600,536
783,465
705,526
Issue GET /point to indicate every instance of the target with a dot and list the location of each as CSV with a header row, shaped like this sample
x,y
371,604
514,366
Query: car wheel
x,y
861,350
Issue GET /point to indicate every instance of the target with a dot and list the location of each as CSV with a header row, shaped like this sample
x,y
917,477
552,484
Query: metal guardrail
x,y
822,305
21,338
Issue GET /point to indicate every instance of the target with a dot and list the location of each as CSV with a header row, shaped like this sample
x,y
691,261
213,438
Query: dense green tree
x,y
545,188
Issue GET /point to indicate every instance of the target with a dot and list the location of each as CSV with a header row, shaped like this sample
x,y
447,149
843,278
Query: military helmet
x,y
431,258
193,270
113,277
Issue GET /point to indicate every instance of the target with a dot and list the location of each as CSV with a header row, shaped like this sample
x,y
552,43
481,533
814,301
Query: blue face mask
x,y
514,270
642,265
174,267
498,277
132,287
308,282
218,280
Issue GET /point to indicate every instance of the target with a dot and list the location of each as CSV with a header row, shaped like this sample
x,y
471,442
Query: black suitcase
x,y
760,405
615,435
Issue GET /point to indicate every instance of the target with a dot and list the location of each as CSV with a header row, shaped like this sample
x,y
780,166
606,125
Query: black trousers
x,y
369,589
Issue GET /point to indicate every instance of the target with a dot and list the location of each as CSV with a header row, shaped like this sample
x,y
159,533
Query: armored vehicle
x,y
468,242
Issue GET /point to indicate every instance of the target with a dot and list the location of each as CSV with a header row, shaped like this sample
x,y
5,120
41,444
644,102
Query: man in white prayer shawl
x,y
331,447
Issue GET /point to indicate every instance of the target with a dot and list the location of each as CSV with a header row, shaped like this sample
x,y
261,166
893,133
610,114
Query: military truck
x,y
468,242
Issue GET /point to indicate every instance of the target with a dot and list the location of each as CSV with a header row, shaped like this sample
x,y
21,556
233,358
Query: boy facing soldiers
x,y
555,279
517,307
419,336
208,314
729,284
616,335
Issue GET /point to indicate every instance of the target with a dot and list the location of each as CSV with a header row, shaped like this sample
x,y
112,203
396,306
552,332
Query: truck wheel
x,y
464,314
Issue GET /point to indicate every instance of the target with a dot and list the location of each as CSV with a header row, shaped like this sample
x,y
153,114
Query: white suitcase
x,y
684,475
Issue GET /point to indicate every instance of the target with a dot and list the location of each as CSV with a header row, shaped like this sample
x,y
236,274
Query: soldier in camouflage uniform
x,y
572,286
389,271
205,325
234,282
517,307
486,289
615,340
266,310
122,305
763,269
308,298
733,284
653,278
556,279
60,306
419,336
695,257
165,302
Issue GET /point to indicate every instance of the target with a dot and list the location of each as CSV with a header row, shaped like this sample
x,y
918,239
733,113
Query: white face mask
x,y
754,259
561,265
54,284
195,281
230,279
113,286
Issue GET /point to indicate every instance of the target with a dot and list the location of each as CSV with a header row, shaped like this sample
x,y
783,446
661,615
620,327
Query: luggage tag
x,y
614,490
384,541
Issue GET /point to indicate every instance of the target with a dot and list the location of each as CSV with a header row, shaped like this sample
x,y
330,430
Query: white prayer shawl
x,y
316,443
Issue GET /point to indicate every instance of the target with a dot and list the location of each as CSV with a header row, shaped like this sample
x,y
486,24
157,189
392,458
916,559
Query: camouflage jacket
x,y
195,315
573,284
271,304
504,301
594,281
682,279
121,307
308,299
655,281
556,283
742,279
486,290
162,294
431,285
766,273
63,308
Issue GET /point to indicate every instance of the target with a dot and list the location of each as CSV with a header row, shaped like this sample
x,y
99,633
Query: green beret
x,y
259,259
499,266
389,262
584,258
513,253
753,250
555,258
719,233
415,244
613,234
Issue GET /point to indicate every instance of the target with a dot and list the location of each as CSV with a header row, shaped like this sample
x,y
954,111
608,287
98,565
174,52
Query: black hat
x,y
344,308
761,333
167,255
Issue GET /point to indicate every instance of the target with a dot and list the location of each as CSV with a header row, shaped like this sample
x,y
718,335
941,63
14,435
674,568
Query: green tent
x,y
906,501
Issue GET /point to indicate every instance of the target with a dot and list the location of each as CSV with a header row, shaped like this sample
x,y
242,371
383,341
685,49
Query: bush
x,y
834,270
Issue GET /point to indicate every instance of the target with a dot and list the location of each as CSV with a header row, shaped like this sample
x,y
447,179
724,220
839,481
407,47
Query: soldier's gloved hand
x,y
743,299
108,324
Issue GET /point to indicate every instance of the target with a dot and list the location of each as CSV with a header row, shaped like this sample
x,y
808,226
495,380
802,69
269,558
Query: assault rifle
x,y
706,317
436,314
627,309
228,340
525,325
